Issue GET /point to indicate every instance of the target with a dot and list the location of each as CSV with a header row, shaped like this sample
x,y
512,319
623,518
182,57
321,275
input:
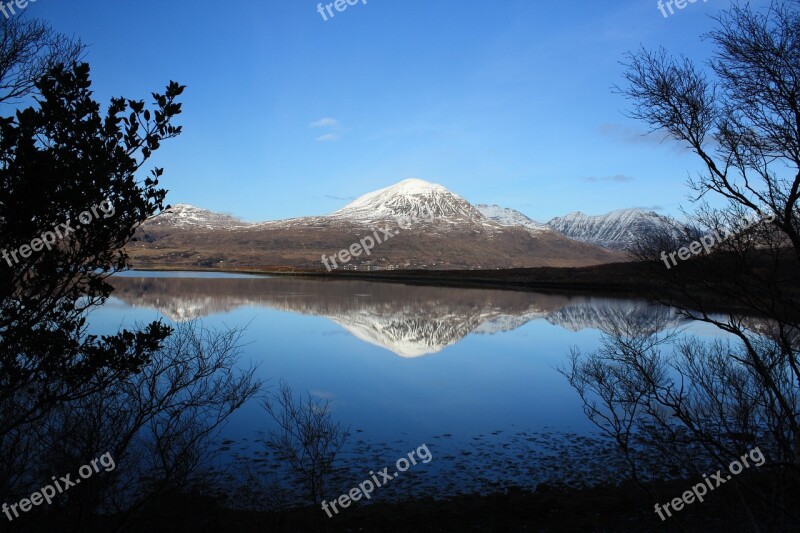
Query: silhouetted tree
x,y
699,403
62,163
59,160
158,424
29,49
307,438
682,407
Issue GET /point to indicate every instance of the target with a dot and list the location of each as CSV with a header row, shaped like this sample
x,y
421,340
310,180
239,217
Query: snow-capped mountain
x,y
438,229
414,199
617,230
187,216
510,217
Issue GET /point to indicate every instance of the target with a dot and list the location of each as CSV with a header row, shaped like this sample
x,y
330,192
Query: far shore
x,y
623,278
619,280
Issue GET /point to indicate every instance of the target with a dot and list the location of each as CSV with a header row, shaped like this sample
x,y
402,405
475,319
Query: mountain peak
x,y
416,185
183,207
190,216
412,198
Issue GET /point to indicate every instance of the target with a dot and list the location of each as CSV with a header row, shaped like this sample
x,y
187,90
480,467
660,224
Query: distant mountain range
x,y
617,230
430,228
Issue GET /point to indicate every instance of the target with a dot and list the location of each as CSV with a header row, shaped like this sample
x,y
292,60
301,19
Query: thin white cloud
x,y
333,126
326,122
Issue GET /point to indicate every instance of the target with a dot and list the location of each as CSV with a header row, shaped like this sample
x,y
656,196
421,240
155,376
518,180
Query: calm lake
x,y
470,372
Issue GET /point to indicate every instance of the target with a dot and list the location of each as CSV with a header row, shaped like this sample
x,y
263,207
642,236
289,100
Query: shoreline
x,y
615,278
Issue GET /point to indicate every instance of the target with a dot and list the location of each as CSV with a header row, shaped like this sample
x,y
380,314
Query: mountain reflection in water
x,y
408,320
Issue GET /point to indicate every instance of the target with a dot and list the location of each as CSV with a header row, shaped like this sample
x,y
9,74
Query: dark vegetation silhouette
x,y
695,404
151,397
306,438
29,49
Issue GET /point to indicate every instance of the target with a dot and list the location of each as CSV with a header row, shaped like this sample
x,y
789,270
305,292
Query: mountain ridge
x,y
617,230
439,230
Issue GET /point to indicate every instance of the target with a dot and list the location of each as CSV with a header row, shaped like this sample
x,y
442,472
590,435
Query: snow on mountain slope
x,y
510,217
187,216
616,230
448,233
416,199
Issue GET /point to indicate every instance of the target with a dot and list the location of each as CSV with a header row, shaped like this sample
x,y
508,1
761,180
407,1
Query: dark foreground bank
x,y
626,507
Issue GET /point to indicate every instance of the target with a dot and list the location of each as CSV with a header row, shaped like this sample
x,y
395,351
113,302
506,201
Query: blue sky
x,y
286,114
